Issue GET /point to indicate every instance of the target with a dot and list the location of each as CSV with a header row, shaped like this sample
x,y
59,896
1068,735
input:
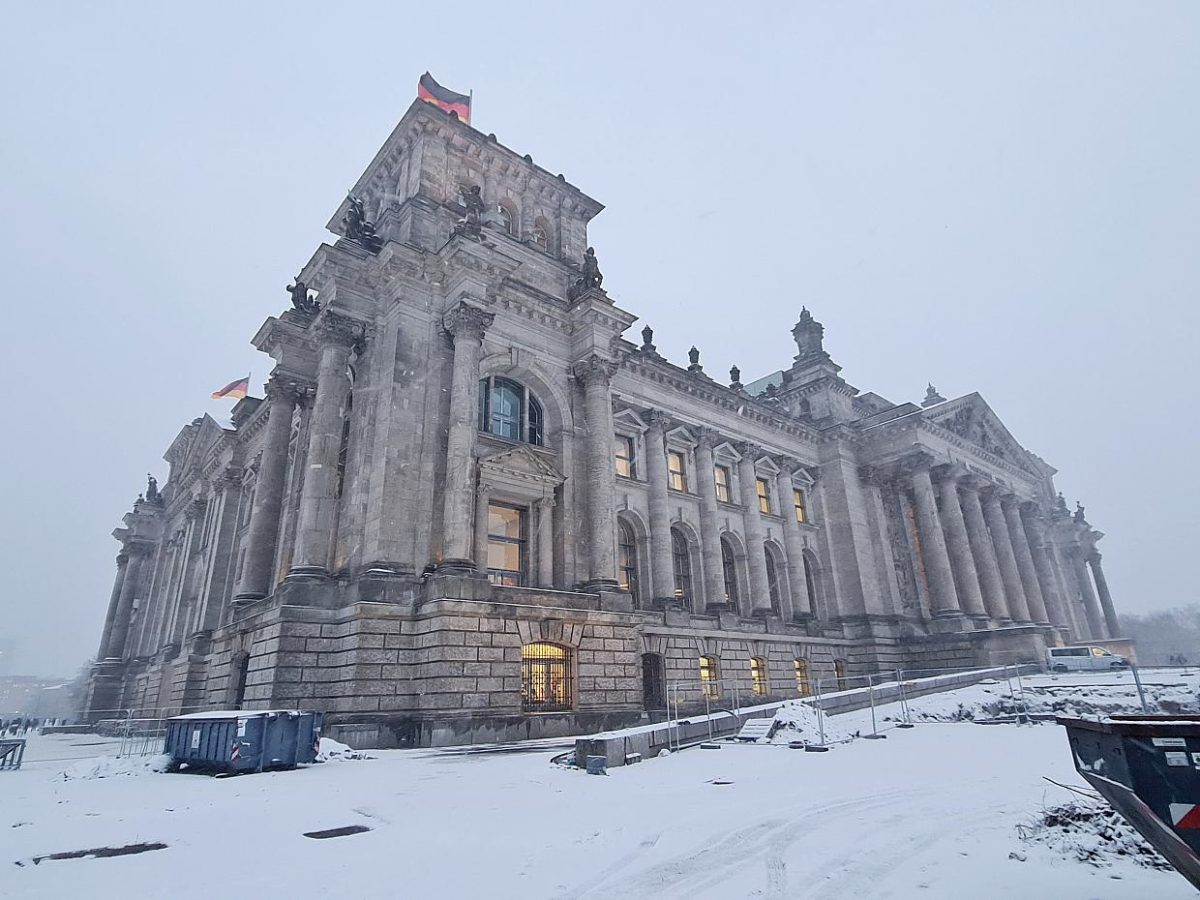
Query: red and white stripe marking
x,y
1185,815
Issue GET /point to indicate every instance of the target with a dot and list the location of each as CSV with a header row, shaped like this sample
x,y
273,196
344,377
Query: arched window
x,y
545,678
540,234
506,218
653,688
681,562
839,672
803,678
710,677
759,682
627,564
773,580
507,409
810,579
729,570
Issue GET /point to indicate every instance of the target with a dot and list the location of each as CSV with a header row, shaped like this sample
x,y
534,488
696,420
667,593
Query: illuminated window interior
x,y
507,540
545,678
798,502
721,475
677,476
758,675
764,495
624,456
803,678
709,677
627,569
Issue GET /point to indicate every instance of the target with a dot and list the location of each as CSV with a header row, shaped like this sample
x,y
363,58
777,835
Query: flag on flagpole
x,y
235,390
446,100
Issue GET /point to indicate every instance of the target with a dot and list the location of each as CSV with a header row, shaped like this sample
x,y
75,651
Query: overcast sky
x,y
995,197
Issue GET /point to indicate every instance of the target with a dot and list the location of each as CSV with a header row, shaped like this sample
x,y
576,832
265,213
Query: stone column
x,y
466,325
138,551
596,373
756,551
802,607
661,569
1028,574
983,552
114,600
1106,603
545,542
1090,606
710,530
958,545
1018,609
933,544
1035,533
262,538
483,493
318,499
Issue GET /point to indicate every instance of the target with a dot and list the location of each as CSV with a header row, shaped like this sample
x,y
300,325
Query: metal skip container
x,y
243,740
1148,769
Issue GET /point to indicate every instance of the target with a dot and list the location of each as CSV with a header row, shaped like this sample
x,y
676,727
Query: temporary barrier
x,y
244,740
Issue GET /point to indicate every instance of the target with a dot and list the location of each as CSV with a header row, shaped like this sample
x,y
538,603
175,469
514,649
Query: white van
x,y
1080,659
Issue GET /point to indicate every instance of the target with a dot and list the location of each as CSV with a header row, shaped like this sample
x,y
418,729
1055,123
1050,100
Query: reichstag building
x,y
474,503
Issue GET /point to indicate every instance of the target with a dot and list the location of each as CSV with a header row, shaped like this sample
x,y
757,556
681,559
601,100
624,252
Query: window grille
x,y
839,671
758,676
803,678
710,677
546,683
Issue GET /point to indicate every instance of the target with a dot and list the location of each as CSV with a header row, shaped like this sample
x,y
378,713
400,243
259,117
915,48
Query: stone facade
x,y
460,463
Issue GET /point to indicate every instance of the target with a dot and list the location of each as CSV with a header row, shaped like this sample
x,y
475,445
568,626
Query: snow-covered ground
x,y
931,812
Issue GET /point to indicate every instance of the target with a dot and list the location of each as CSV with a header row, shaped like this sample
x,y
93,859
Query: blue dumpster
x,y
1148,768
244,740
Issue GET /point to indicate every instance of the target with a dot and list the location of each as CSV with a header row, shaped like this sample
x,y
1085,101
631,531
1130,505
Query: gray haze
x,y
996,197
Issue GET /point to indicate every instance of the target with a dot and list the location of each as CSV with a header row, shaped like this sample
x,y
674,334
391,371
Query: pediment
x,y
191,447
975,422
522,463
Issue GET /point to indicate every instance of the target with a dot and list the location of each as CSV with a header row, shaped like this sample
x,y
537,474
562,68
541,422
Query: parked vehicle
x,y
1083,659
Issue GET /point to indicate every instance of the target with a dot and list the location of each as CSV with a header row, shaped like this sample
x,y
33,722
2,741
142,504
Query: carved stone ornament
x,y
467,321
590,279
735,378
334,328
595,369
648,340
288,387
470,225
932,396
707,437
301,299
358,229
152,492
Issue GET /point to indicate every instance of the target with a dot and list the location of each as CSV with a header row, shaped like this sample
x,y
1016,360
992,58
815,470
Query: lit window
x,y
545,678
839,671
627,570
677,476
803,679
681,563
773,581
506,551
507,409
625,466
764,495
506,218
729,570
721,475
758,675
710,677
798,502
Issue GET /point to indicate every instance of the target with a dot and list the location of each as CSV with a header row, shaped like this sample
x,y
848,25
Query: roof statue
x,y
648,340
809,335
358,229
152,494
735,378
471,223
932,397
694,362
300,297
1079,513
591,277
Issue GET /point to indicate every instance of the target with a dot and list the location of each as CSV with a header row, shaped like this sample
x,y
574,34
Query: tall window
x,y
506,218
677,476
729,570
764,495
773,581
803,678
810,578
507,555
624,451
539,237
710,677
721,476
653,694
681,562
839,672
545,678
627,567
798,502
758,676
507,409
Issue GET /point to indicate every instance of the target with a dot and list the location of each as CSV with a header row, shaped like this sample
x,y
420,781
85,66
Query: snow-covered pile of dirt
x,y
335,751
1067,699
797,721
108,766
1091,832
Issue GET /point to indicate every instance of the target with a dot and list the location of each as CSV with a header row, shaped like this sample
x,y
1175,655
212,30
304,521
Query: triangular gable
x,y
191,449
973,420
522,461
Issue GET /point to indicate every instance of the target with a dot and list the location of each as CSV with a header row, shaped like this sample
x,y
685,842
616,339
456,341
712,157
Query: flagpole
x,y
470,104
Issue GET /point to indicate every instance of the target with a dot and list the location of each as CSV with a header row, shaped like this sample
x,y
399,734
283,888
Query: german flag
x,y
447,101
235,390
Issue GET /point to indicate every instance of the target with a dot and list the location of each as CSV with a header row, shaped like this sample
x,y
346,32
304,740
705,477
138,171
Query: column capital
x,y
1094,557
139,547
122,559
282,386
873,475
949,472
1010,502
546,504
466,321
484,489
195,509
656,418
707,437
335,329
229,479
748,450
917,461
595,369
